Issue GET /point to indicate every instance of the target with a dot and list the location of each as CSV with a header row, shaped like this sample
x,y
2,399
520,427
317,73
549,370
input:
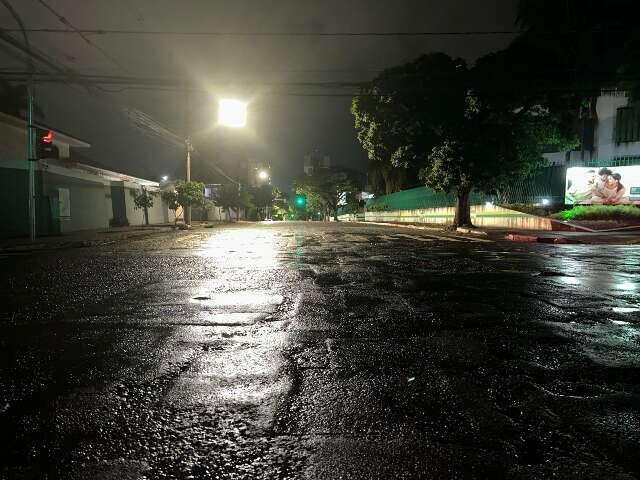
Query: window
x,y
627,125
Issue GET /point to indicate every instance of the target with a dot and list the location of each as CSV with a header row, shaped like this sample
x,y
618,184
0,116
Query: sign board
x,y
603,185
64,203
366,195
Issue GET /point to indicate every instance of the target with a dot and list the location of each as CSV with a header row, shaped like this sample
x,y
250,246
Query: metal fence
x,y
547,185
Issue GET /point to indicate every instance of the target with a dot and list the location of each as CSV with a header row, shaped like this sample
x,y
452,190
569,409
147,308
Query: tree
x,y
323,189
464,132
13,100
263,197
589,44
400,114
143,200
185,194
230,196
171,198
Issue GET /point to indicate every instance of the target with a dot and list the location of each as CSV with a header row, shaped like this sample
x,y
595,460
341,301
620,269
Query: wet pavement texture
x,y
322,351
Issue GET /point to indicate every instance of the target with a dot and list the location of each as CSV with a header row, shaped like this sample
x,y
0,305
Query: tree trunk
x,y
186,215
146,216
463,209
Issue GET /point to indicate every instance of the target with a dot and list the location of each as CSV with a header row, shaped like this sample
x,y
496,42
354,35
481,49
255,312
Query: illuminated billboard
x,y
603,185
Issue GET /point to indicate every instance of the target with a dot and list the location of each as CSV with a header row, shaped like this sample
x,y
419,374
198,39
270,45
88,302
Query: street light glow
x,y
262,175
232,113
165,178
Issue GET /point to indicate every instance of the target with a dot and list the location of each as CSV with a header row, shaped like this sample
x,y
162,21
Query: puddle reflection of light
x,y
626,309
627,286
620,322
253,248
570,280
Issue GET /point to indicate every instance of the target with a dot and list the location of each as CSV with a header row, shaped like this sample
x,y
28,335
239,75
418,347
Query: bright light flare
x,y
262,175
232,113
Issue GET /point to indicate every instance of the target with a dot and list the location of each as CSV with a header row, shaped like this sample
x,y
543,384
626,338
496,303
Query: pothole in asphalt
x,y
551,273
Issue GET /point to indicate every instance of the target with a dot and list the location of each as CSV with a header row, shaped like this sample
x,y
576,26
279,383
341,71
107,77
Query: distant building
x,y
316,160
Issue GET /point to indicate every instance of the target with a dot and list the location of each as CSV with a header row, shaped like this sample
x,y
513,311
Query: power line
x,y
215,33
66,22
180,83
218,33
68,76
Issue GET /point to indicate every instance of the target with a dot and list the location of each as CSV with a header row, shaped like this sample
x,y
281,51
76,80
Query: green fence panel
x,y
548,183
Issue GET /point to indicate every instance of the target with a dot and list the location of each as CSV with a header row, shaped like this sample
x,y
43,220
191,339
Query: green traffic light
x,y
301,200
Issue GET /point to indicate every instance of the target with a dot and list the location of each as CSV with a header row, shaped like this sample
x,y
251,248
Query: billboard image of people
x,y
603,185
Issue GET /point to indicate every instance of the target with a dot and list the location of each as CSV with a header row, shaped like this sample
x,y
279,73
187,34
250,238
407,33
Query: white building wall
x,y
606,147
158,214
134,216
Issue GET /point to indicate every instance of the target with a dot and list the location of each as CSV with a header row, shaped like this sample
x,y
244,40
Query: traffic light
x,y
300,201
44,144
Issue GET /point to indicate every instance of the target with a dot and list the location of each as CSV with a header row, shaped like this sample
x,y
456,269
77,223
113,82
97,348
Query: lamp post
x,y
187,210
231,113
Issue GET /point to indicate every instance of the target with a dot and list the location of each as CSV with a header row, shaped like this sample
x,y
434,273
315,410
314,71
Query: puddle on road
x,y
256,300
626,309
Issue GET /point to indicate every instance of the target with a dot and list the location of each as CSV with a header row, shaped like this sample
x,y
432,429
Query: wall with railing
x,y
545,187
487,215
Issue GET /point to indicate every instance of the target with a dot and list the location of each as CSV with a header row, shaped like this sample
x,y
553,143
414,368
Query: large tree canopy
x,y
447,121
587,44
13,100
397,118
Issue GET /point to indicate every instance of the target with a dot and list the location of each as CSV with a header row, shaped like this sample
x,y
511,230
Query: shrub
x,y
526,208
378,207
601,212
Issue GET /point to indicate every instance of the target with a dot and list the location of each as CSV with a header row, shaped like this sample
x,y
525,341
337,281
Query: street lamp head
x,y
232,113
262,175
165,178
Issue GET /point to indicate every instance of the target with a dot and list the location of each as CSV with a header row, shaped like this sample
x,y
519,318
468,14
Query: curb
x,y
472,231
515,237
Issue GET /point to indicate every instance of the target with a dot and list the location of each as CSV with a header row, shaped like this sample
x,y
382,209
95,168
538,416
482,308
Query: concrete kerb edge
x,y
471,231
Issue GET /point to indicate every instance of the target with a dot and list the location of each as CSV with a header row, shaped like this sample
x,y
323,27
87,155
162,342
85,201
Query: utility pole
x,y
32,158
187,210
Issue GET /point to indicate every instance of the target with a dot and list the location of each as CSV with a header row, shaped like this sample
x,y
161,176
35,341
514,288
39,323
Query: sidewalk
x,y
618,237
85,238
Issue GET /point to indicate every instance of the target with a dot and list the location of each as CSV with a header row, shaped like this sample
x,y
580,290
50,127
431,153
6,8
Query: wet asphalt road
x,y
320,351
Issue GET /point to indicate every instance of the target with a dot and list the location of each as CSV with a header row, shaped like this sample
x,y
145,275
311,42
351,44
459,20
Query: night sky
x,y
286,121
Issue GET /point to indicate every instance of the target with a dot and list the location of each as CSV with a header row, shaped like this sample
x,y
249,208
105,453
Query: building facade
x,y
70,195
610,138
316,160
